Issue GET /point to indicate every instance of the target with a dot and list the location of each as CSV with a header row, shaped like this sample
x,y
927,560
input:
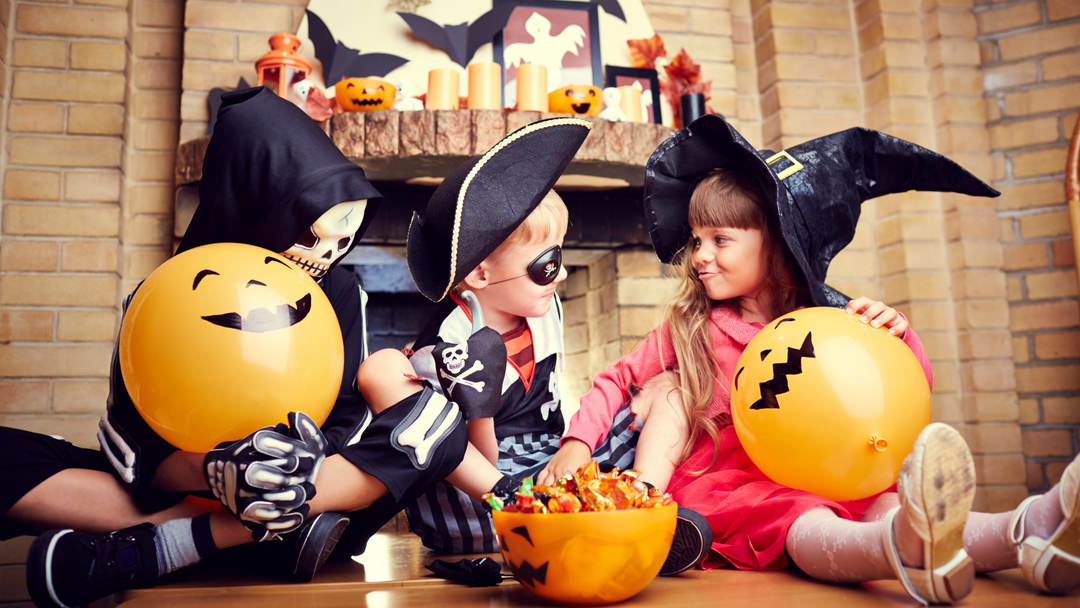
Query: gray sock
x,y
175,545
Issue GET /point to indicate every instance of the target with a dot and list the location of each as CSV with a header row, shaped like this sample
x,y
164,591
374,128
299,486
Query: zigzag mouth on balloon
x,y
261,320
778,385
367,102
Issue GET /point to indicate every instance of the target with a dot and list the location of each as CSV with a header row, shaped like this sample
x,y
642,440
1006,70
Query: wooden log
x,y
347,133
417,133
453,133
381,133
619,142
488,127
593,148
516,120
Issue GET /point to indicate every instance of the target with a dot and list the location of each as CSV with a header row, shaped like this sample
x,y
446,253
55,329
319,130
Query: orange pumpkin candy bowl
x,y
586,558
365,94
576,99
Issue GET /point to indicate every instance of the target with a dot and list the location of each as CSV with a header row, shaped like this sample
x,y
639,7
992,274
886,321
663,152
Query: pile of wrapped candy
x,y
587,489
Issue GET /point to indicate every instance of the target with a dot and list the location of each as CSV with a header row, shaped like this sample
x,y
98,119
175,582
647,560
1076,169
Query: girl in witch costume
x,y
753,239
287,189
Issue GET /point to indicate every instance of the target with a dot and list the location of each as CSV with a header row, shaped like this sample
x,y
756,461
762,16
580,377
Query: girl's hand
x,y
877,314
570,456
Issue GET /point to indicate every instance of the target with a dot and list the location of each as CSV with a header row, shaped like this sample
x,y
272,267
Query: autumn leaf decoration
x,y
645,51
683,76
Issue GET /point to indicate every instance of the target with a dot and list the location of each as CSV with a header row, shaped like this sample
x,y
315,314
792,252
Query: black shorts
x,y
31,458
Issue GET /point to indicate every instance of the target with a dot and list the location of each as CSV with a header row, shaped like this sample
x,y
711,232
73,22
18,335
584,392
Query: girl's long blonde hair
x,y
728,199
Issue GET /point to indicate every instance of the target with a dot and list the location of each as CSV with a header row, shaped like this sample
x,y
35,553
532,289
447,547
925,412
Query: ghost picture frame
x,y
619,76
571,26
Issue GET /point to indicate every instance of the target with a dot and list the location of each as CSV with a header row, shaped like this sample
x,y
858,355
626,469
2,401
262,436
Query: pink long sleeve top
x,y
730,335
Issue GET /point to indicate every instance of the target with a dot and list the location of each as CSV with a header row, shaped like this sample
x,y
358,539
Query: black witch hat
x,y
814,190
484,200
269,173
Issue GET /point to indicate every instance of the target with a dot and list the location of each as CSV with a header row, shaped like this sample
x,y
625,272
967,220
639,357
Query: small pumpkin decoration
x,y
576,99
365,94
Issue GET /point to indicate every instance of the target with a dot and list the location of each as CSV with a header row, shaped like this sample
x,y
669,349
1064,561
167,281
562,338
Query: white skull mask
x,y
328,238
454,358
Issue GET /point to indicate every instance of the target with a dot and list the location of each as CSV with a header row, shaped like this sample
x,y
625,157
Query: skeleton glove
x,y
266,479
471,373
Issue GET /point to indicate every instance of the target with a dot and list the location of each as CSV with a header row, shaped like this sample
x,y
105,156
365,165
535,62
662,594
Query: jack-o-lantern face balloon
x,y
825,403
225,339
364,94
586,558
576,99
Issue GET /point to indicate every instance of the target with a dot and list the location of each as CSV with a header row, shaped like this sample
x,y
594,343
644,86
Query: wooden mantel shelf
x,y
399,146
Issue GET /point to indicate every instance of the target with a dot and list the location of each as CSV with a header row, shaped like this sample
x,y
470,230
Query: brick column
x,y
59,265
221,44
807,72
1030,55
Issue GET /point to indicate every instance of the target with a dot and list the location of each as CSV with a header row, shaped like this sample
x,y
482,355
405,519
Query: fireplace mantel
x,y
424,146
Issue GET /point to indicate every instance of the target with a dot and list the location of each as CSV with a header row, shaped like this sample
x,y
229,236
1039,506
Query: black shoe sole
x,y
316,543
38,566
693,537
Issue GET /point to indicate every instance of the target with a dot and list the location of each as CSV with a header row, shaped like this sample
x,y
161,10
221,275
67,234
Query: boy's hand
x,y
877,314
570,456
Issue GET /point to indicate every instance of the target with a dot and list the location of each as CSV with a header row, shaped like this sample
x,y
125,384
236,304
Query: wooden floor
x,y
391,574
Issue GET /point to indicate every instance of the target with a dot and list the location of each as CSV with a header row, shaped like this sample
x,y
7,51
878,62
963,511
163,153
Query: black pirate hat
x,y
815,189
484,200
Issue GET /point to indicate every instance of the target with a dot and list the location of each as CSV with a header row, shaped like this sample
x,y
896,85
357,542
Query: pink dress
x,y
749,514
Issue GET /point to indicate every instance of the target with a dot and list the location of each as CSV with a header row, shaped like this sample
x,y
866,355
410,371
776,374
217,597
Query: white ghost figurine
x,y
545,49
405,101
302,90
612,110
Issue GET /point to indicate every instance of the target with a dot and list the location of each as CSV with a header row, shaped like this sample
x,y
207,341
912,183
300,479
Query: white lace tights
x,y
833,549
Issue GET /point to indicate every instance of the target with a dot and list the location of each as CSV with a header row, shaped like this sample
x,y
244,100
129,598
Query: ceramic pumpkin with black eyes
x,y
365,94
225,339
825,403
576,99
588,558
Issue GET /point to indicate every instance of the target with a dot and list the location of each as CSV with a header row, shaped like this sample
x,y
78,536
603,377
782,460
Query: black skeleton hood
x,y
269,173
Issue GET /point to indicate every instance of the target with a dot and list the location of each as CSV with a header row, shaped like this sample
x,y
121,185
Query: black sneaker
x,y
693,537
312,544
67,568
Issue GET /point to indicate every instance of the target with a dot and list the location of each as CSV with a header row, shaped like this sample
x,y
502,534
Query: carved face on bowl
x,y
576,99
365,94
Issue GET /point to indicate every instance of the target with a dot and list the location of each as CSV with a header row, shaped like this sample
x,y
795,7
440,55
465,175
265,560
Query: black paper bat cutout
x,y
340,61
214,99
461,41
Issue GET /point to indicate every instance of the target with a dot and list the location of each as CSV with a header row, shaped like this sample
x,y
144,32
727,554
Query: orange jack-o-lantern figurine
x,y
825,403
225,339
283,66
576,99
365,94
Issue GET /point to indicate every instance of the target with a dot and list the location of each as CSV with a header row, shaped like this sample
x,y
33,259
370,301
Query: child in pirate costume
x,y
288,189
752,235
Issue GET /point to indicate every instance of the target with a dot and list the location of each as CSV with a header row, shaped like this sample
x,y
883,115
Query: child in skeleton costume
x,y
273,179
494,228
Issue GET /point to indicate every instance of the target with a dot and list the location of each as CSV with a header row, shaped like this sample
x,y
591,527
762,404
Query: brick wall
x,y
1030,55
86,192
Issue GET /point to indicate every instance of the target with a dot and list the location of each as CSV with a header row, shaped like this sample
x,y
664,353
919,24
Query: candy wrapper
x,y
587,489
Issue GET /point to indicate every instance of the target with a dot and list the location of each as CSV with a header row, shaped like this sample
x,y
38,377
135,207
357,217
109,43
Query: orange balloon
x,y
576,99
590,558
825,403
225,339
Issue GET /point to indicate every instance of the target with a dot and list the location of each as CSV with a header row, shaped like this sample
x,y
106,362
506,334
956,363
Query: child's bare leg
x,y
90,501
475,475
664,429
383,379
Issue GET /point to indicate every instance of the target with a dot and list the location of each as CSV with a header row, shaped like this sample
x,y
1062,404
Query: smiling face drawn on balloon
x,y
778,383
226,338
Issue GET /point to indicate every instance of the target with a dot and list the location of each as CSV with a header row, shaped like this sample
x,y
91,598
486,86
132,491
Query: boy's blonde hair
x,y
549,218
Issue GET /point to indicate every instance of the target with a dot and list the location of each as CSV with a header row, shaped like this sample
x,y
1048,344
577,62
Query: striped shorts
x,y
448,521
